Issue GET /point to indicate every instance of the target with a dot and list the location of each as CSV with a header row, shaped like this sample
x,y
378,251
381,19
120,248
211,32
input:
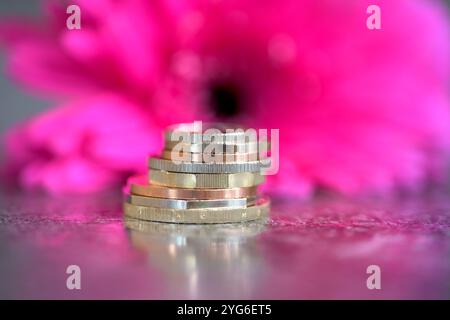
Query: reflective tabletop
x,y
325,248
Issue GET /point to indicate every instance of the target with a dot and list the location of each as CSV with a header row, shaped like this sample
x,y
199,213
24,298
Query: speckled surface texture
x,y
315,249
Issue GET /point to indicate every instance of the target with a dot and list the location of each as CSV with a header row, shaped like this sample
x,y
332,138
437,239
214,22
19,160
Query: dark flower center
x,y
225,100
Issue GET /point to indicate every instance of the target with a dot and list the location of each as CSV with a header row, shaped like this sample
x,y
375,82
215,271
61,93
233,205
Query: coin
x,y
193,167
201,180
229,232
218,158
215,215
190,204
138,185
209,132
249,147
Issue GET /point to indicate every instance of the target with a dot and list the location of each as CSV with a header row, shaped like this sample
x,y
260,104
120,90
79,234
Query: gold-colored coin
x,y
229,232
199,216
140,186
217,158
209,132
205,180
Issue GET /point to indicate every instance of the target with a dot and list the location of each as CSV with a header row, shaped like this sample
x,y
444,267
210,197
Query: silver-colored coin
x,y
190,204
196,167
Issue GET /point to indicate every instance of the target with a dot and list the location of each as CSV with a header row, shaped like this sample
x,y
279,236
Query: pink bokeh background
x,y
358,110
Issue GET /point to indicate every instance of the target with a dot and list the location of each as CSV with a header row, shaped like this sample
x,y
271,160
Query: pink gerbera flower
x,y
358,110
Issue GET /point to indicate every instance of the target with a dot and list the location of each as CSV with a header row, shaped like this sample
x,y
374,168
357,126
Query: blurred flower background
x,y
358,110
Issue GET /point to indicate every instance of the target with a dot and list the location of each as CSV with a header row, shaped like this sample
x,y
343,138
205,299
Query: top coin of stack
x,y
204,175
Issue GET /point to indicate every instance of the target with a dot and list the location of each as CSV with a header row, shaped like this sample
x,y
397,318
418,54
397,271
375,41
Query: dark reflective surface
x,y
315,249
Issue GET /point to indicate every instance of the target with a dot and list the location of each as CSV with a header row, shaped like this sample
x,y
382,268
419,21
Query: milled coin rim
x,y
199,167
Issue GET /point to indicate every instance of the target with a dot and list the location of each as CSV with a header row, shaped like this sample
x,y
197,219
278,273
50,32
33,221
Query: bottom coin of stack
x,y
193,190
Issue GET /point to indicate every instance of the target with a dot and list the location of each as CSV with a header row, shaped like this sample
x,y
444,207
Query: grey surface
x,y
15,103
10,7
316,249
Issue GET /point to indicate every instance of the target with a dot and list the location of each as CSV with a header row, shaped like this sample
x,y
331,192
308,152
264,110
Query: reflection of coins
x,y
193,167
190,204
200,180
201,157
150,190
214,215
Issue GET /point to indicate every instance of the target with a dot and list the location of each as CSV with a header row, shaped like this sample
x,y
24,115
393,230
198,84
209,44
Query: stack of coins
x,y
203,178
